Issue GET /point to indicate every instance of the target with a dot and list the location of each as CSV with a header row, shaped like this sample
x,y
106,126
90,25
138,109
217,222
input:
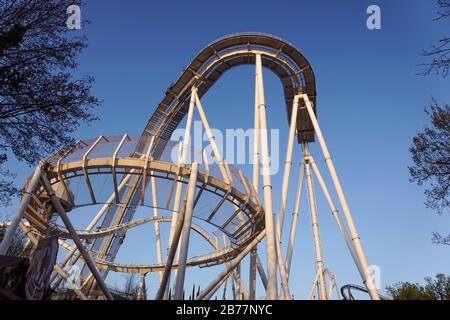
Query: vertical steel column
x,y
284,192
87,258
186,139
31,188
237,277
233,286
367,279
256,143
163,288
287,166
295,215
224,295
255,180
179,284
329,285
142,288
285,183
338,294
182,162
252,275
272,290
241,290
173,225
156,225
315,228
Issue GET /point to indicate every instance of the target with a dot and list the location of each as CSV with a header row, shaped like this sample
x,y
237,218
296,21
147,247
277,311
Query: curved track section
x,y
346,291
82,234
213,61
74,173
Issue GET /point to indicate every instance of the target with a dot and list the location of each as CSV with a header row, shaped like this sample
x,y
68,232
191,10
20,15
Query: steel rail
x,y
347,295
63,233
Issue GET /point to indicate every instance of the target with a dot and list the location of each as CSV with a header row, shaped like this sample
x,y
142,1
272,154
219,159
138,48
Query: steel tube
x,y
15,221
66,263
314,285
252,275
212,141
255,181
367,279
315,231
284,192
182,162
87,258
162,291
295,215
336,216
272,290
287,166
156,225
261,272
181,271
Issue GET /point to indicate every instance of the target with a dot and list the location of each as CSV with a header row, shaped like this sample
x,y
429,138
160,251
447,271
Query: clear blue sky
x,y
370,105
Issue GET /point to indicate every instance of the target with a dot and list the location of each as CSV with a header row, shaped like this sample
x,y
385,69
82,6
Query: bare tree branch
x,y
431,156
41,103
439,53
439,239
445,6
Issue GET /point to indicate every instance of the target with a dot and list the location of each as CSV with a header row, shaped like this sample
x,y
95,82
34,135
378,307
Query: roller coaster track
x,y
207,67
72,178
346,291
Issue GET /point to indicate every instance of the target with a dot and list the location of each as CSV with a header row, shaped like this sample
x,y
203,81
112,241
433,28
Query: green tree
x,y
434,289
440,286
41,103
409,291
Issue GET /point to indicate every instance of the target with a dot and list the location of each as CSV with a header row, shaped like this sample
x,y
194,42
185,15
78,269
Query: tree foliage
x,y
439,239
431,147
409,291
434,289
431,156
41,102
7,188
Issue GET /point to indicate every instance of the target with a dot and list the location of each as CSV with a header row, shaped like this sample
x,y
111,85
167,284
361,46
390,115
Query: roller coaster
x,y
143,172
